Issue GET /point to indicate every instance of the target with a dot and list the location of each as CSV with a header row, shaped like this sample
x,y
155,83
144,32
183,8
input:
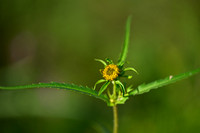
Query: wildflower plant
x,y
111,75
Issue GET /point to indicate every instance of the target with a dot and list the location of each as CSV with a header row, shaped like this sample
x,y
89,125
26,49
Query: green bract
x,y
112,73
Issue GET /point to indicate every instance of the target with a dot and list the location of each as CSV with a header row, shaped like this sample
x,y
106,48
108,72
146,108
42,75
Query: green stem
x,y
115,116
115,119
114,90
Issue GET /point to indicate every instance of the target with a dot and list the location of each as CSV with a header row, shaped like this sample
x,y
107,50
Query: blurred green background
x,y
47,40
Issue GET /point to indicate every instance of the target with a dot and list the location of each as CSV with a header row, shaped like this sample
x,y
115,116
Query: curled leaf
x,y
121,86
103,62
131,69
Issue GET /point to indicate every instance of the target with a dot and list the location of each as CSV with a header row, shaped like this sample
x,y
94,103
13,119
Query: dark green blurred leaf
x,y
126,43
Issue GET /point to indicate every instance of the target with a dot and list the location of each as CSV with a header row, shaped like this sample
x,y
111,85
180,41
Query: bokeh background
x,y
48,40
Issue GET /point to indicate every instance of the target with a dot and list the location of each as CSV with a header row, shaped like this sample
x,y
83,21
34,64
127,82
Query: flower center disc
x,y
111,72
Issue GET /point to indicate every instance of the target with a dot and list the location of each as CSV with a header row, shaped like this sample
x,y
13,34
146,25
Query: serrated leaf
x,y
104,86
85,90
159,83
124,52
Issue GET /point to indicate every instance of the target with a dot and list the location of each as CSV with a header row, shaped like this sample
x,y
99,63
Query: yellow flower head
x,y
110,72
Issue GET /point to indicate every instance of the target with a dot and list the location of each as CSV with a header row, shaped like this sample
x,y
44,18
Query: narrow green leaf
x,y
131,69
159,83
126,43
104,86
73,87
121,86
103,62
98,82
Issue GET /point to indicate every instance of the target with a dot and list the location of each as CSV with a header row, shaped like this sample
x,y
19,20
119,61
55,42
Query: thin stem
x,y
115,116
114,90
115,119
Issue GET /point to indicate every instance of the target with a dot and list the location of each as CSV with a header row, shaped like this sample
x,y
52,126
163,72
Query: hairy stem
x,y
115,119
